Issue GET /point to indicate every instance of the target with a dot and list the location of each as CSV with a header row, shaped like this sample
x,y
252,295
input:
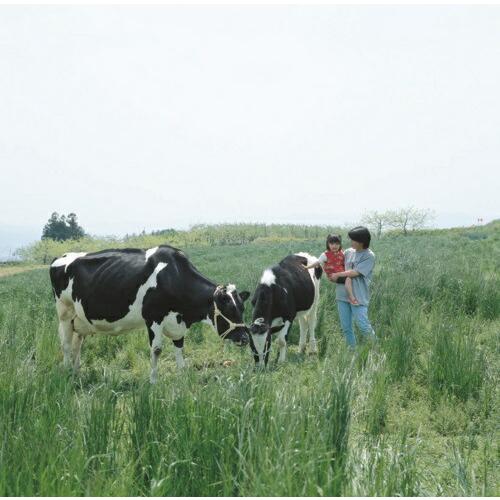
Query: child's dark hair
x,y
333,238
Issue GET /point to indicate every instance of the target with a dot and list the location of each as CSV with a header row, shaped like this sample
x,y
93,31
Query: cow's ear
x,y
244,295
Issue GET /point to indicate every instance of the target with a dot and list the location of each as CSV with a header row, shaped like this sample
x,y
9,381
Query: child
x,y
332,261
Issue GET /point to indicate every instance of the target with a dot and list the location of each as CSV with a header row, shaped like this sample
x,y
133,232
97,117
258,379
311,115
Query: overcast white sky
x,y
154,117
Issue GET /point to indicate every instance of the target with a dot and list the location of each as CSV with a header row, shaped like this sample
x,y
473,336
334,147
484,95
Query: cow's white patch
x,y
277,322
67,294
158,338
230,290
64,303
259,340
67,259
170,327
133,319
268,278
150,252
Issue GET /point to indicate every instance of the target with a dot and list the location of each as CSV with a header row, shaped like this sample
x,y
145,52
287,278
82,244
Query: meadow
x,y
415,414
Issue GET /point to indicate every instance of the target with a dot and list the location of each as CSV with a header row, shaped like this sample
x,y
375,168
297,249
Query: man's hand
x,y
333,277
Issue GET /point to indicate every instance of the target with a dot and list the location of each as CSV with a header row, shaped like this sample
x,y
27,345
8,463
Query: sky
x,y
140,118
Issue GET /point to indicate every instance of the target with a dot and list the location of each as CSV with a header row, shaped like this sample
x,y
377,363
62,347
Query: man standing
x,y
359,262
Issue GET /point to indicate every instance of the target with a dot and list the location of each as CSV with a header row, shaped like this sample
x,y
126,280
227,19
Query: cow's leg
x,y
281,341
288,330
66,335
311,326
267,352
156,343
254,350
65,313
77,347
179,358
303,333
81,330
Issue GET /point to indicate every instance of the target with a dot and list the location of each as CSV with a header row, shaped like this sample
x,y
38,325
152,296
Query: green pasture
x,y
415,414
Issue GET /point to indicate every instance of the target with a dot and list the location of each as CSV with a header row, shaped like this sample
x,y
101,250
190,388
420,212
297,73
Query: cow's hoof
x,y
66,369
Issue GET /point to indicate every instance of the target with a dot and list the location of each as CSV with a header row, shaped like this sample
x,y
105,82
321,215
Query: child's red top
x,y
334,262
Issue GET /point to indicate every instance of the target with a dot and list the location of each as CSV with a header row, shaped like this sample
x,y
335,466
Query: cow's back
x,y
297,280
106,283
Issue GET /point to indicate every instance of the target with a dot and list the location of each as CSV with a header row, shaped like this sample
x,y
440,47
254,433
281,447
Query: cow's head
x,y
228,314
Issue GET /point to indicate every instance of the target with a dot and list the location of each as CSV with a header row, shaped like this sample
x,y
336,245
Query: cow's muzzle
x,y
243,340
258,328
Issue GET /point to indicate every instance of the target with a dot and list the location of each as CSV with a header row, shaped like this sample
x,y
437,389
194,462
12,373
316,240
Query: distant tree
x,y
376,221
409,218
164,232
75,230
62,227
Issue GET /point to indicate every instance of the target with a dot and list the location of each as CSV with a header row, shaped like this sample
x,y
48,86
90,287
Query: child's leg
x,y
348,287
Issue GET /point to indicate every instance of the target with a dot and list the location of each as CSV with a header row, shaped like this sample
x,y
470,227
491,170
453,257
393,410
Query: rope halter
x,y
217,313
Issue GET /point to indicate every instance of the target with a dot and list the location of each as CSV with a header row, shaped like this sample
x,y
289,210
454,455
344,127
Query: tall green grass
x,y
414,414
456,365
385,468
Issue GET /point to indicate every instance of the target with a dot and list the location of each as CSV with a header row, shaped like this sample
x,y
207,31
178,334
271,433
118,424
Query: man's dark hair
x,y
333,238
361,235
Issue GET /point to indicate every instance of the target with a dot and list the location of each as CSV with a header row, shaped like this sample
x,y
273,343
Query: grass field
x,y
416,414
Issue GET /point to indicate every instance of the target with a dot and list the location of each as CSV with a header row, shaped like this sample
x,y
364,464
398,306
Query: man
x,y
359,263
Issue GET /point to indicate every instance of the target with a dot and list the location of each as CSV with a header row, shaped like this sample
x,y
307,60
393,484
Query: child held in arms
x,y
332,261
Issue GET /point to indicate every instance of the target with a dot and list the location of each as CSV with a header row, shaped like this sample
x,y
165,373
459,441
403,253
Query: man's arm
x,y
347,274
344,274
363,268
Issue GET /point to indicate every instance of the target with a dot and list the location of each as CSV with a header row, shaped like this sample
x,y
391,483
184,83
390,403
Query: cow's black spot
x,y
179,343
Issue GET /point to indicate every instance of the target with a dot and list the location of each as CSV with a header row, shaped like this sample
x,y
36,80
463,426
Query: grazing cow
x,y
285,291
113,291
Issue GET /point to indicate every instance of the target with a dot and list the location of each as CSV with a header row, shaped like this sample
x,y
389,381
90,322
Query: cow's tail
x,y
318,271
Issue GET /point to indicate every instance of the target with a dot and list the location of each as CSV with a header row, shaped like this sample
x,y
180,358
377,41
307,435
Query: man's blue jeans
x,y
359,314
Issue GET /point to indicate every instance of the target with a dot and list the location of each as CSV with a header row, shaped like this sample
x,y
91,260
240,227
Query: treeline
x,y
202,234
226,234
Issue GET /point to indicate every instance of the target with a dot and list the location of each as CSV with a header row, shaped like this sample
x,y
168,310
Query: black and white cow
x,y
285,291
112,291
